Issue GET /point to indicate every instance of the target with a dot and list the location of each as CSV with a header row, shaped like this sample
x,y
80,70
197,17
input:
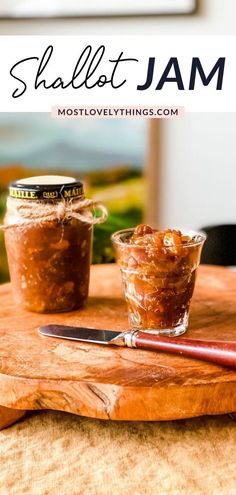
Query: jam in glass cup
x,y
158,271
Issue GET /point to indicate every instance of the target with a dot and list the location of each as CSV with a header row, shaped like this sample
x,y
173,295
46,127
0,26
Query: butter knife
x,y
222,353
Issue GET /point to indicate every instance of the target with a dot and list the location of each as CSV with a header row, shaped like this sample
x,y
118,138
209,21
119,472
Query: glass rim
x,y
201,237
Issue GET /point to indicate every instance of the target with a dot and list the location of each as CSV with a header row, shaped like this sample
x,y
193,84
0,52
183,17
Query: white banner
x,y
194,72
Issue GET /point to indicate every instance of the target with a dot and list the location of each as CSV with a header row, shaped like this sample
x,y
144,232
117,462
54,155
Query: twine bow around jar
x,y
21,213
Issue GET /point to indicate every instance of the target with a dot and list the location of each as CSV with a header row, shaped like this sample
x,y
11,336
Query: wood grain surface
x,y
37,372
9,416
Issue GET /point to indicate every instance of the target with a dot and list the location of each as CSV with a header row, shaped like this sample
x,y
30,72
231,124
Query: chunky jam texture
x,y
158,271
49,265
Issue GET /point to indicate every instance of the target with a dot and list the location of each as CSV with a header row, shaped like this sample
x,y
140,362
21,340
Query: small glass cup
x,y
158,282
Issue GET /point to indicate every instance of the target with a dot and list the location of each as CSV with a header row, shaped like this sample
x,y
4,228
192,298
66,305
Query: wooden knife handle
x,y
222,353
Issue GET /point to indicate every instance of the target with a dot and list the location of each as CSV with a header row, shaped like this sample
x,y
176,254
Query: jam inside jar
x,y
48,236
158,271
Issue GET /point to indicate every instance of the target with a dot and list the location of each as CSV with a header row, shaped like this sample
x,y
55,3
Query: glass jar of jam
x,y
48,236
158,272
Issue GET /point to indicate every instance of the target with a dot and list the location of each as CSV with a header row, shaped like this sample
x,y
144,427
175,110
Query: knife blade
x,y
82,334
222,353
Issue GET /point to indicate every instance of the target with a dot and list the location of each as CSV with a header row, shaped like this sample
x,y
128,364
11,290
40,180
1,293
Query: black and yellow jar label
x,y
27,189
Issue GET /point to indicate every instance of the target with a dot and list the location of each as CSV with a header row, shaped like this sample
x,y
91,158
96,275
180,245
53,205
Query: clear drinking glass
x,y
158,282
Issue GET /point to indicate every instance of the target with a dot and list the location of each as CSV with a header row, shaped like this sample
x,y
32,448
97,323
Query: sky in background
x,y
37,140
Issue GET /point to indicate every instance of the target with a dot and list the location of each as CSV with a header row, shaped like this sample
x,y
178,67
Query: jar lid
x,y
46,187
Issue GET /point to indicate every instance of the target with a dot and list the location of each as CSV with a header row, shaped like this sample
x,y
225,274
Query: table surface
x,y
54,452
117,383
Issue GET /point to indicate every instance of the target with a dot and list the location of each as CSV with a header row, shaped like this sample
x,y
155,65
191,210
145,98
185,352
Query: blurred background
x,y
107,155
188,163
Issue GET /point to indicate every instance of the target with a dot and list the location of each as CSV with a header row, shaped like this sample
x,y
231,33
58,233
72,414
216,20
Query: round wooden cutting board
x,y
115,383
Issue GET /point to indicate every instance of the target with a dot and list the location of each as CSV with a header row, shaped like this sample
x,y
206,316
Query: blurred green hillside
x,y
120,188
